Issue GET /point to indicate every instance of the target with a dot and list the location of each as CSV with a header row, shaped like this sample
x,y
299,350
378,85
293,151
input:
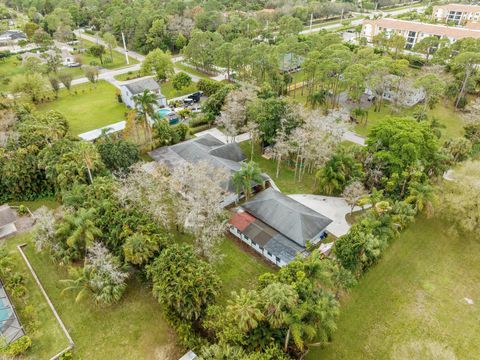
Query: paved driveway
x,y
335,208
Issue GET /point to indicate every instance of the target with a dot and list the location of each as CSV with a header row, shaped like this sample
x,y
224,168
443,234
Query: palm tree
x,y
279,300
337,172
146,106
79,283
247,176
244,310
90,157
318,98
79,228
421,197
298,327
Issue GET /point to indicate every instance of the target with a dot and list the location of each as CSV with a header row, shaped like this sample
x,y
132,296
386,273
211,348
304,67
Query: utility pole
x,y
125,49
311,21
341,16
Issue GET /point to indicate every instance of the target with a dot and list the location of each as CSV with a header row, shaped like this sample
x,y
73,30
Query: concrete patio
x,y
335,208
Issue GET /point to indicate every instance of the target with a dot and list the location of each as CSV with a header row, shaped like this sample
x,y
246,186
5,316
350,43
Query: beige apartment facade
x,y
459,14
414,31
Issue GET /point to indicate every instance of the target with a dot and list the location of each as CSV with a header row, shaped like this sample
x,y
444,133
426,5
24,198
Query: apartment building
x,y
459,14
414,31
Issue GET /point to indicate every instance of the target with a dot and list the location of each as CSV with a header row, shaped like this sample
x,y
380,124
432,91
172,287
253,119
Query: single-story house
x,y
12,36
277,226
7,221
136,87
211,150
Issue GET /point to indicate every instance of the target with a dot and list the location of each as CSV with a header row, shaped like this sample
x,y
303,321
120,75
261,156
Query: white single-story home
x,y
278,227
138,86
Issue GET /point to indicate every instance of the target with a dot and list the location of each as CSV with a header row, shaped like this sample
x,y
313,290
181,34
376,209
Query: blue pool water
x,y
169,114
5,312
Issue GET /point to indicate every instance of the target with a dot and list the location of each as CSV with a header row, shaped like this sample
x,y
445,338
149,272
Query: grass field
x,y
240,267
444,112
411,305
48,338
286,180
118,58
87,107
191,70
132,329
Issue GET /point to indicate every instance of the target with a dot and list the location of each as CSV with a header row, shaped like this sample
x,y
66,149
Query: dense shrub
x,y
17,347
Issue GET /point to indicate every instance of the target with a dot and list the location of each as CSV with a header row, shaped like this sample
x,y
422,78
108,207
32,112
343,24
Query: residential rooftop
x,y
290,218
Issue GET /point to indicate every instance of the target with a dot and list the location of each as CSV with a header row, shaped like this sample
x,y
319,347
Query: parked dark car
x,y
195,96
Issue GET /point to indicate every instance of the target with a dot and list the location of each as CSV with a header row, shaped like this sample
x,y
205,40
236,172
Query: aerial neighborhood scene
x,y
239,179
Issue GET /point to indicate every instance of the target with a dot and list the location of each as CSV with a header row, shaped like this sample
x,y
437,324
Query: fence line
x,y
57,317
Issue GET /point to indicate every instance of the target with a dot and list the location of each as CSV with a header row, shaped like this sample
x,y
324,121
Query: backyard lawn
x,y
286,180
132,329
443,112
412,305
48,338
87,107
240,267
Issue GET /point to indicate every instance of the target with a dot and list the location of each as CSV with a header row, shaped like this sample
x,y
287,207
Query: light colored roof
x,y
13,34
286,215
189,356
139,86
432,29
7,215
110,129
459,7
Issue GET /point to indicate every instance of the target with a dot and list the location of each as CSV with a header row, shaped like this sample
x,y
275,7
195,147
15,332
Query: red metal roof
x,y
241,220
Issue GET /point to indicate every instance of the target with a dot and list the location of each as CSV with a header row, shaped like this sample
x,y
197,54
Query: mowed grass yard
x,y
119,60
412,305
286,179
132,329
48,338
443,111
88,107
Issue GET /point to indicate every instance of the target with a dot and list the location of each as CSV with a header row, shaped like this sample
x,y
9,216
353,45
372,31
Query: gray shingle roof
x,y
206,148
14,35
290,218
139,86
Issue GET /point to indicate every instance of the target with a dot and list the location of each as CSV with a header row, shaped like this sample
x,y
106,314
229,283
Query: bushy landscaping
x,y
412,303
88,106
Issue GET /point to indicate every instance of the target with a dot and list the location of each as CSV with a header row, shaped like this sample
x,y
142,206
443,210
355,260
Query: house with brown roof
x,y
414,31
457,13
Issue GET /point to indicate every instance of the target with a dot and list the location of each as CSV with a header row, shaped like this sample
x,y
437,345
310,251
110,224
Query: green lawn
x,y
88,107
191,70
35,204
48,339
286,180
170,93
442,111
411,304
128,76
132,329
118,58
240,267
9,67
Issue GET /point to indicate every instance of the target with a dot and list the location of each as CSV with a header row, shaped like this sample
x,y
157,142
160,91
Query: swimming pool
x,y
5,312
167,113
